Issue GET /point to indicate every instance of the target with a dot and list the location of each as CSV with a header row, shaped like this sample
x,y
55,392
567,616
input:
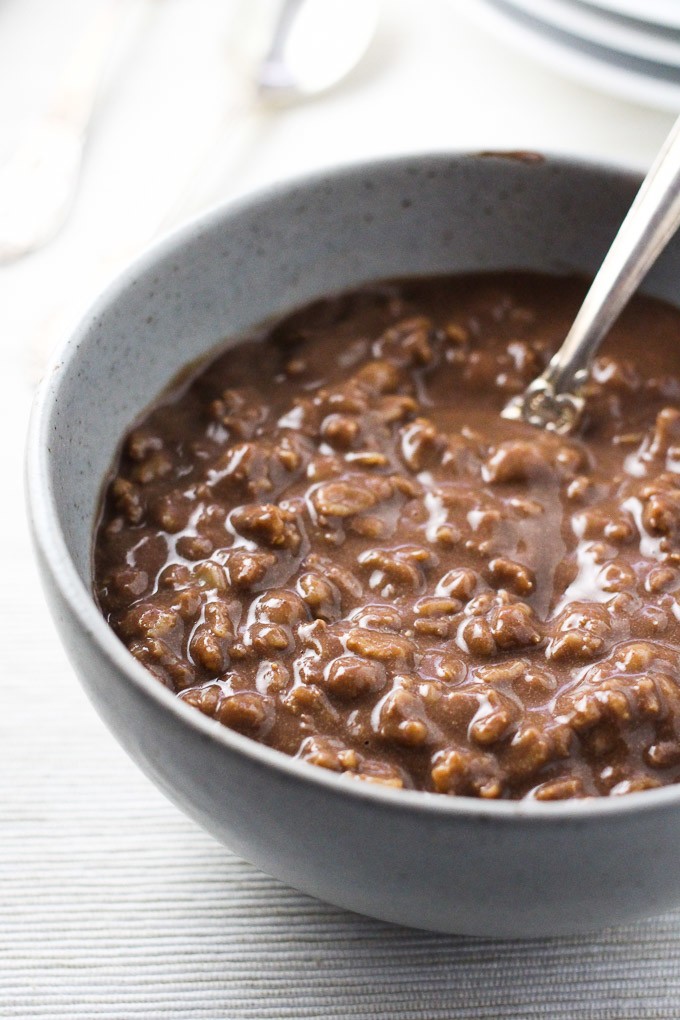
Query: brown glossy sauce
x,y
330,541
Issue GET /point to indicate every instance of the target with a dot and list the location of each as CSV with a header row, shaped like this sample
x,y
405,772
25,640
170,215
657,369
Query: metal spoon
x,y
314,44
553,401
288,52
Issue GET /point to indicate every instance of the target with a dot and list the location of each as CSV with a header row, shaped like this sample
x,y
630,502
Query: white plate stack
x,y
630,48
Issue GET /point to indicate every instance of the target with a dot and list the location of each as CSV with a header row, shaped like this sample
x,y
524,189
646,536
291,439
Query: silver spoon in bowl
x,y
554,400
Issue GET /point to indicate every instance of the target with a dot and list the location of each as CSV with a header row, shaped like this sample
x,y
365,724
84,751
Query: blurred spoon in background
x,y
38,182
314,44
284,53
287,53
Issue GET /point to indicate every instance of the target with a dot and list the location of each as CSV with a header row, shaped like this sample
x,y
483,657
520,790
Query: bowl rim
x,y
50,544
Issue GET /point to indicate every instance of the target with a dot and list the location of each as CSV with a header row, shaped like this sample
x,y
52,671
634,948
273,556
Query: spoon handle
x,y
552,400
274,81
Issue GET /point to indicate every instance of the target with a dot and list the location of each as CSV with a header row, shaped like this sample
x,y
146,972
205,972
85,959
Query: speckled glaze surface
x,y
445,863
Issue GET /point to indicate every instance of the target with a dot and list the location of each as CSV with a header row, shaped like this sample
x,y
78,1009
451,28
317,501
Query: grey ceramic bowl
x,y
445,863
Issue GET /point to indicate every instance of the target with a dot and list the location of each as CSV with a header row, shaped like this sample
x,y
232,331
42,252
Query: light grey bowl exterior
x,y
448,864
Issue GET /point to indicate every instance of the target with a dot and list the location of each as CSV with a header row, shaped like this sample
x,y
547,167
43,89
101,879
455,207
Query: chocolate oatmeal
x,y
330,541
